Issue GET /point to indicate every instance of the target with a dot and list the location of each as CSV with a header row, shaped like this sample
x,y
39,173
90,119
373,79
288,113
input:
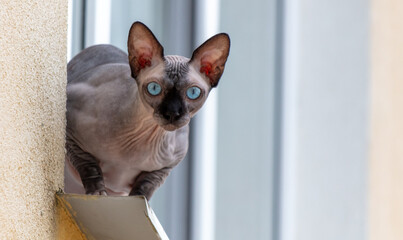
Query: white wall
x,y
386,160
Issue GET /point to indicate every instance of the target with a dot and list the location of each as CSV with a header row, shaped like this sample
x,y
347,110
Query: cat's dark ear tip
x,y
223,40
138,24
224,36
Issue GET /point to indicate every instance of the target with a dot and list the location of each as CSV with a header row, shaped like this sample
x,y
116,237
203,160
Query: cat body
x,y
127,116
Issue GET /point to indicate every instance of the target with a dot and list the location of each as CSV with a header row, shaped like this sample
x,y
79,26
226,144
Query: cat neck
x,y
140,124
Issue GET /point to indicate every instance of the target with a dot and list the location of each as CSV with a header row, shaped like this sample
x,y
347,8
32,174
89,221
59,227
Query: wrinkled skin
x,y
120,139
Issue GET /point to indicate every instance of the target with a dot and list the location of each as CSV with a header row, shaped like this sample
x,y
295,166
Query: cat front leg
x,y
147,182
88,168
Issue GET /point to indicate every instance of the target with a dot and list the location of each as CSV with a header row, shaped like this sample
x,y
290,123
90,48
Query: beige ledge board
x,y
113,217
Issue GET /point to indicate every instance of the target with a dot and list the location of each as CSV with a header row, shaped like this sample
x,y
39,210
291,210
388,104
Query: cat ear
x,y
211,56
144,48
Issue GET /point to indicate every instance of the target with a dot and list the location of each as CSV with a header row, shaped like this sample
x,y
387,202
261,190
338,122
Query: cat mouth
x,y
171,125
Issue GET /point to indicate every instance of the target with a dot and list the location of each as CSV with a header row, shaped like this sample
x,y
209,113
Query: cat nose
x,y
171,116
172,107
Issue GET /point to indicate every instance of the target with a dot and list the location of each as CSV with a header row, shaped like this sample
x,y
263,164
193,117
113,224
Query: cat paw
x,y
98,192
140,193
95,188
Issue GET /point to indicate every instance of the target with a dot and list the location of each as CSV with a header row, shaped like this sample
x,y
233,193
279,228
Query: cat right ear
x,y
144,48
211,56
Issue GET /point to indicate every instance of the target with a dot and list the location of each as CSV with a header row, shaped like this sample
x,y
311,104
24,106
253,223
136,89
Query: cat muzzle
x,y
171,121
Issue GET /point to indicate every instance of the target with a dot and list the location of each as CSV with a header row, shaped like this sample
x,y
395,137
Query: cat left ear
x,y
144,48
211,56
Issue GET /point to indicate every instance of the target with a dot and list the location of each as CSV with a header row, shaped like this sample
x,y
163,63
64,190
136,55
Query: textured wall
x,y
32,115
386,166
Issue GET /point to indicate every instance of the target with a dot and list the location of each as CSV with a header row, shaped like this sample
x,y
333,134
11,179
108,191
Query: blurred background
x,y
280,151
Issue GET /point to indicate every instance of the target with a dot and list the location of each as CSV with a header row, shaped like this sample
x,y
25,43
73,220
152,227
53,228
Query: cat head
x,y
174,88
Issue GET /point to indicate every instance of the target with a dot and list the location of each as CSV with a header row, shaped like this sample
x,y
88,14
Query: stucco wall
x,y
32,115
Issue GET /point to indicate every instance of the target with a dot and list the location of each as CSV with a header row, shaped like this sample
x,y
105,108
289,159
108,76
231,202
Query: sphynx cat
x,y
127,116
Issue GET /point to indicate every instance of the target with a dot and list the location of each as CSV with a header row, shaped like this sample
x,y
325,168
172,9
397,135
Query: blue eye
x,y
193,92
154,88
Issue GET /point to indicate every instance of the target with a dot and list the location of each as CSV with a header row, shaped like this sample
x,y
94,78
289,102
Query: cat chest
x,y
143,157
120,171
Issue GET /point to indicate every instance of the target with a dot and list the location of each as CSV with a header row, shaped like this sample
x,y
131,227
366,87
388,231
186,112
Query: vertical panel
x,y
97,22
386,168
246,121
204,140
125,12
289,161
329,132
76,28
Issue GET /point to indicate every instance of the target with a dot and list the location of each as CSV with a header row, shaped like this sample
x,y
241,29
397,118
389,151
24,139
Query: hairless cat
x,y
127,116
